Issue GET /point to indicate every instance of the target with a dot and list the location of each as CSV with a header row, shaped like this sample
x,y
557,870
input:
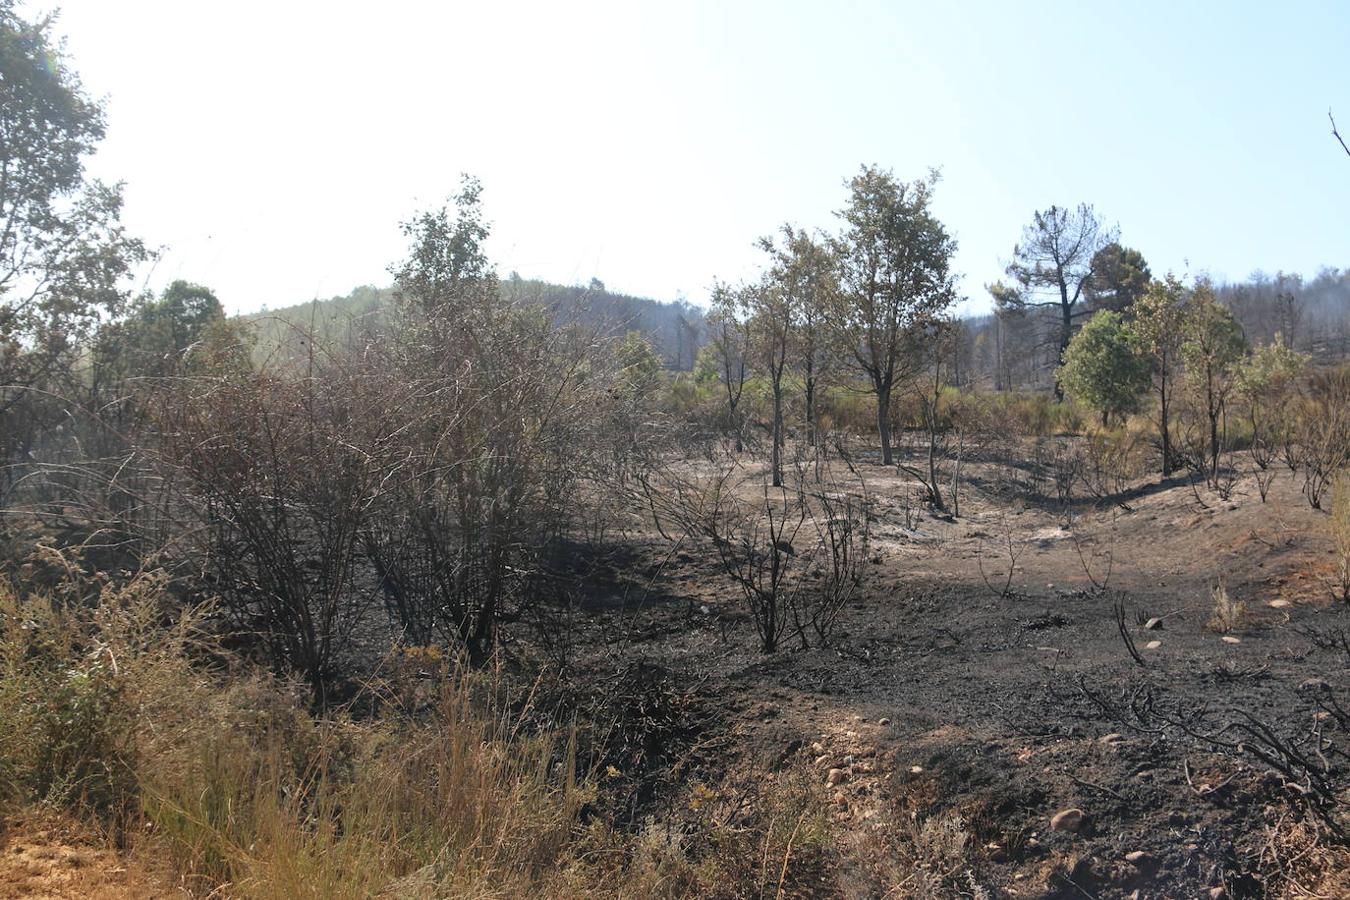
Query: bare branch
x,y
1336,134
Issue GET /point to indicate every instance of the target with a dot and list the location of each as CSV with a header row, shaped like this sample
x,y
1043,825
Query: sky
x,y
272,149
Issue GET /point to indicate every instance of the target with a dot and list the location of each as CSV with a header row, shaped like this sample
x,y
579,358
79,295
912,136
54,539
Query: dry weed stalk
x,y
1227,614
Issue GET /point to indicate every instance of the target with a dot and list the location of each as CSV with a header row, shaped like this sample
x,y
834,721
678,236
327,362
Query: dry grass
x,y
228,781
104,713
1227,614
1340,534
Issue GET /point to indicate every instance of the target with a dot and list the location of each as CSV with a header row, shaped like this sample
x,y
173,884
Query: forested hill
x,y
673,327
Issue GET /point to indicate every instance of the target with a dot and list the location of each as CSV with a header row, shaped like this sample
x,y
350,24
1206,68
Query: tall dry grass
x,y
117,707
108,710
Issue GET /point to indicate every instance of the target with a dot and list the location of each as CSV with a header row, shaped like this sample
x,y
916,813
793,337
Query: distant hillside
x,y
675,328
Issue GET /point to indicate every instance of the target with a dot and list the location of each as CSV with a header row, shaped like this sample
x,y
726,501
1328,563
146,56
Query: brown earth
x,y
52,859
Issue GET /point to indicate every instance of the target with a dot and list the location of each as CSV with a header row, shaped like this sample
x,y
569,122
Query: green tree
x,y
155,334
1213,347
728,345
640,368
1267,381
1054,264
447,269
770,317
895,276
1104,368
1120,276
63,252
806,270
1159,317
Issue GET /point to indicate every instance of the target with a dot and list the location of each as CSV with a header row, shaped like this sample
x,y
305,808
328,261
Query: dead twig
x,y
1337,134
1125,633
1097,787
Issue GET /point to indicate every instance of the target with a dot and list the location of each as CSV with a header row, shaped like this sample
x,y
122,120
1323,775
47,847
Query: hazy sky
x,y
274,147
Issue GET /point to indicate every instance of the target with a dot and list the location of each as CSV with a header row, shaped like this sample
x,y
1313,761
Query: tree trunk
x,y
1065,336
934,489
884,423
777,456
1164,426
1213,409
810,405
1214,448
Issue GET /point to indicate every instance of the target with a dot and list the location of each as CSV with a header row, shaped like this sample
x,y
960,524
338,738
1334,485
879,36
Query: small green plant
x,y
1227,614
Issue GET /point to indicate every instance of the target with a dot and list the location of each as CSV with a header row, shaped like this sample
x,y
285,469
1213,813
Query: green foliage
x,y
1213,343
1053,264
1120,276
1158,322
156,334
447,261
63,252
1270,371
83,671
708,365
1159,318
1104,368
896,280
1212,348
639,371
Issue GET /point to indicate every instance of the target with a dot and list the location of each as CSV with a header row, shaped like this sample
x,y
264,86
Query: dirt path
x,y
53,860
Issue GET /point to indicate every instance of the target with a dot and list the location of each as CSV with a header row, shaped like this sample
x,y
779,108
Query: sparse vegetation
x,y
478,586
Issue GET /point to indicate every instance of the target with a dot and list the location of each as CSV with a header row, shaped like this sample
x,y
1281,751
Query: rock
x,y
1153,645
1280,604
848,760
817,748
1229,639
1070,820
1218,893
822,759
916,770
1152,624
1112,738
836,776
883,722
996,852
1139,859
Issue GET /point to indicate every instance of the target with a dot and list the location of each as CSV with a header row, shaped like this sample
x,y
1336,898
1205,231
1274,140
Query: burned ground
x,y
943,701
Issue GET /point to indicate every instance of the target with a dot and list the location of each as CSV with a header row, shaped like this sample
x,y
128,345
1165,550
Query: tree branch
x,y
1337,134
